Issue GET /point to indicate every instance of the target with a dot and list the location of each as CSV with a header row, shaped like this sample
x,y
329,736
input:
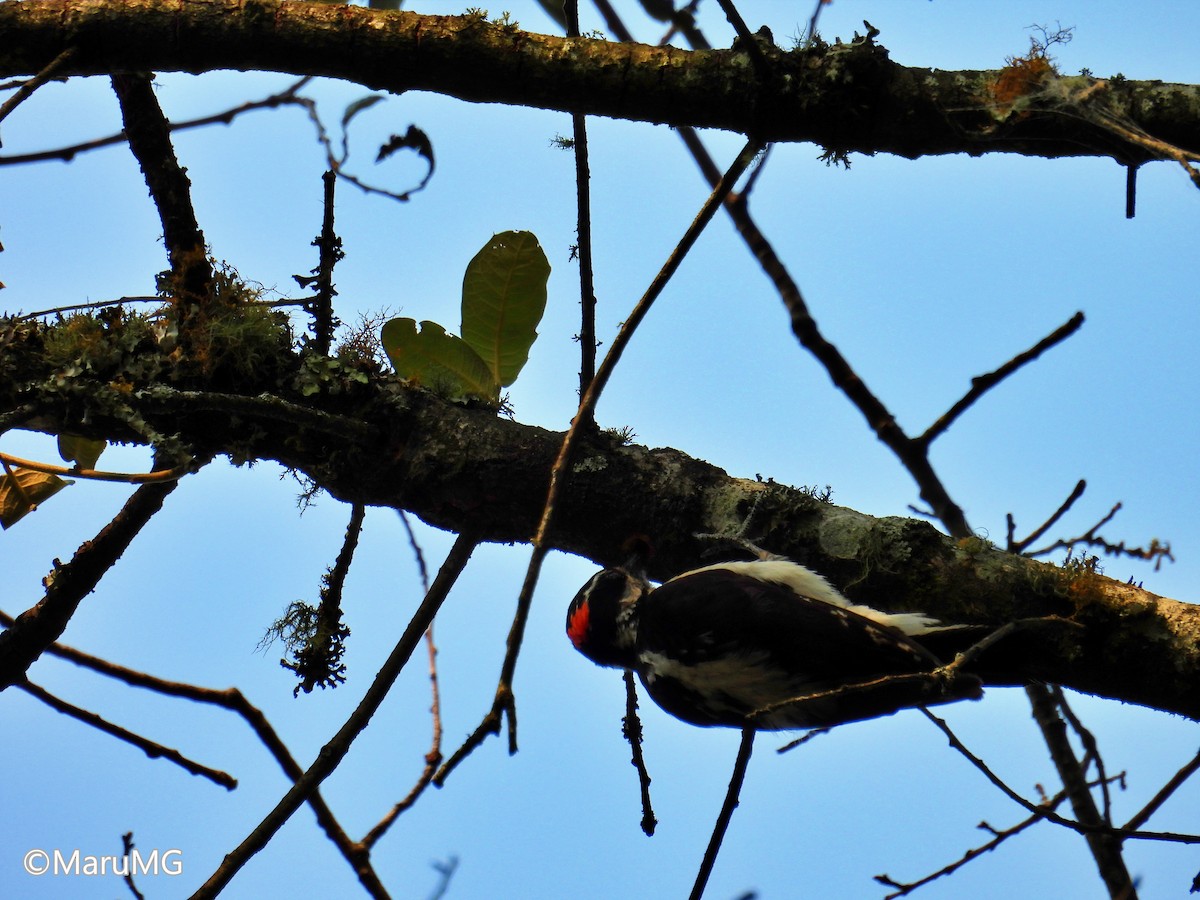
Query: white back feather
x,y
808,583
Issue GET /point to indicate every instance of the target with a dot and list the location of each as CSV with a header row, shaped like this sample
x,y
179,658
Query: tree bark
x,y
845,97
459,467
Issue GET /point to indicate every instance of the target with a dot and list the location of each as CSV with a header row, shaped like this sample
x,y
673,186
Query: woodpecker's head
x,y
602,619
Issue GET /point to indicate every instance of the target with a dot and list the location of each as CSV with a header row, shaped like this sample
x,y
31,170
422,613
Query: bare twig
x,y
153,749
98,304
746,38
66,154
233,700
503,705
1015,546
1143,815
338,746
1080,827
66,586
731,802
1091,749
127,845
1105,847
25,91
434,757
981,384
330,247
903,889
583,218
1155,551
631,728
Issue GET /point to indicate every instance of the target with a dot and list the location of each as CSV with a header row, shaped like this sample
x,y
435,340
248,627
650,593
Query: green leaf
x,y
21,492
441,361
504,296
358,106
80,450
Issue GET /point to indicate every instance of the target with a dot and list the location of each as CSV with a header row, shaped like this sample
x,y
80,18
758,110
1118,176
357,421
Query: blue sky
x,y
925,273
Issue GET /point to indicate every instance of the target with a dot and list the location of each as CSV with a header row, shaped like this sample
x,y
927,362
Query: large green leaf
x,y
21,492
441,361
504,296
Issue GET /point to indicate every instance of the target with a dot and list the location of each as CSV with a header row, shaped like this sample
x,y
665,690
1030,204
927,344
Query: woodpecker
x,y
766,643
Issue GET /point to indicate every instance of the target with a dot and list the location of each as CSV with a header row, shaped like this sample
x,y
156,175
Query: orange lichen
x,y
1021,77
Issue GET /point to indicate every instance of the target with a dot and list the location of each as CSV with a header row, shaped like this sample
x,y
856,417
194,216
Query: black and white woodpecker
x,y
766,643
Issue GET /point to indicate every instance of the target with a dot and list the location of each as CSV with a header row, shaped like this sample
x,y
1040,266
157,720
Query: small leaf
x,y
80,450
504,296
385,4
441,361
358,106
21,492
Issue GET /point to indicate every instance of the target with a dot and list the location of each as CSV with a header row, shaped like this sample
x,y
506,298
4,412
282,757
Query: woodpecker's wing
x,y
718,646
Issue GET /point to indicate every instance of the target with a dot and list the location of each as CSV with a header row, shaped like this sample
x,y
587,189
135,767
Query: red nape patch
x,y
577,627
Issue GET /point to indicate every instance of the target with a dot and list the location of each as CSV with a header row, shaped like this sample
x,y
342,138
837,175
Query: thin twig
x,y
999,837
1106,848
1155,551
1143,815
583,230
153,749
746,38
66,154
127,845
503,704
1090,746
233,700
1015,546
25,91
631,728
157,476
434,757
338,746
981,384
731,802
330,247
1080,827
41,625
98,304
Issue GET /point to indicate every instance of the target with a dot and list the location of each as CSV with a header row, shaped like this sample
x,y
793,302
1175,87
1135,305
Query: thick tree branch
x,y
844,97
465,468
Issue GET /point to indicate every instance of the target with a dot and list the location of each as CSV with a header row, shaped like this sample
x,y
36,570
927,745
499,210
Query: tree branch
x,y
844,97
153,749
338,746
66,585
149,136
